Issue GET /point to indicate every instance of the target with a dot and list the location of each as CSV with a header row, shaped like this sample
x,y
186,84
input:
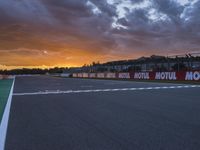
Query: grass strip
x,y
5,86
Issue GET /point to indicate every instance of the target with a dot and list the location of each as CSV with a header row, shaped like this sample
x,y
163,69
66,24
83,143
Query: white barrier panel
x,y
80,75
85,75
181,75
100,75
74,75
64,74
92,75
6,77
10,77
111,75
124,75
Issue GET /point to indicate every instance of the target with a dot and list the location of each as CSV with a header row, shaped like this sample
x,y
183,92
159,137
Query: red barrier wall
x,y
179,76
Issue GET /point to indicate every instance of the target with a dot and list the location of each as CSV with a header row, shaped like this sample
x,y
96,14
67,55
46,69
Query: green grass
x,y
5,86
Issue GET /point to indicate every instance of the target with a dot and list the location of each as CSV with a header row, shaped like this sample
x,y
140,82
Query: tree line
x,y
32,71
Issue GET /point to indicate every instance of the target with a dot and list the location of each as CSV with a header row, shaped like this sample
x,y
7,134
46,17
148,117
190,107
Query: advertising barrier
x,y
85,75
170,75
74,75
92,75
6,77
80,75
124,75
193,75
111,75
64,74
100,75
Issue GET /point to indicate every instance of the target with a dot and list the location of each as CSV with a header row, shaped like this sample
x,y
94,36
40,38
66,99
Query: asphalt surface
x,y
165,119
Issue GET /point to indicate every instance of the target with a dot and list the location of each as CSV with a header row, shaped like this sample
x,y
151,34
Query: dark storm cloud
x,y
176,29
171,8
61,23
136,1
100,26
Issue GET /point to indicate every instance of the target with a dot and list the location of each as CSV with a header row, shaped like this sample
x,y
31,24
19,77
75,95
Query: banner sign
x,y
141,75
110,75
171,75
124,75
165,76
85,75
100,75
74,75
6,77
80,75
92,75
192,75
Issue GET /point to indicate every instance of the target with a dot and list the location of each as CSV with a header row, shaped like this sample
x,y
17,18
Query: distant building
x,y
152,63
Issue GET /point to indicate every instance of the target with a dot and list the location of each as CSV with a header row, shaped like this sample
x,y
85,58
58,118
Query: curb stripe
x,y
5,119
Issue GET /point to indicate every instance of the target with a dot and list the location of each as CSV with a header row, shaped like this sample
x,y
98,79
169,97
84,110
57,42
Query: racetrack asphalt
x,y
162,119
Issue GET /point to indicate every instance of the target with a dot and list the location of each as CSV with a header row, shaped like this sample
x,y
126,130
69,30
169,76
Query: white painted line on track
x,y
5,119
106,90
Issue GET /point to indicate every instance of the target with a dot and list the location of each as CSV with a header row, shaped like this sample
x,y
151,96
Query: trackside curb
x,y
5,119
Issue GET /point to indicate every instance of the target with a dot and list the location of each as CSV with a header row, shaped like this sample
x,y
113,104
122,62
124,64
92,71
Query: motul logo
x,y
110,75
141,75
85,75
165,76
100,75
124,75
192,75
80,75
92,75
74,75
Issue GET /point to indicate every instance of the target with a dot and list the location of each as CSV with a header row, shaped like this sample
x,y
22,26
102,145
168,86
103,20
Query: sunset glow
x,y
70,33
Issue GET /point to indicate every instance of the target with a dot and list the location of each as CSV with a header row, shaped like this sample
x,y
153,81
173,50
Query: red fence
x,y
180,76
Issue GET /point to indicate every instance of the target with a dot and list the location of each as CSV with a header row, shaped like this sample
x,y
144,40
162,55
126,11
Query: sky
x,y
49,33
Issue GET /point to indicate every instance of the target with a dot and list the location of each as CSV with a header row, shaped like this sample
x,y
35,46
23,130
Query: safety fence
x,y
179,76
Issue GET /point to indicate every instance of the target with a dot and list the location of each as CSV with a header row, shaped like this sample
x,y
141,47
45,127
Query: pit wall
x,y
176,76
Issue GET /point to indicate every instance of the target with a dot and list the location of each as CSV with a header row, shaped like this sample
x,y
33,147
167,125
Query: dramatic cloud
x,y
74,32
